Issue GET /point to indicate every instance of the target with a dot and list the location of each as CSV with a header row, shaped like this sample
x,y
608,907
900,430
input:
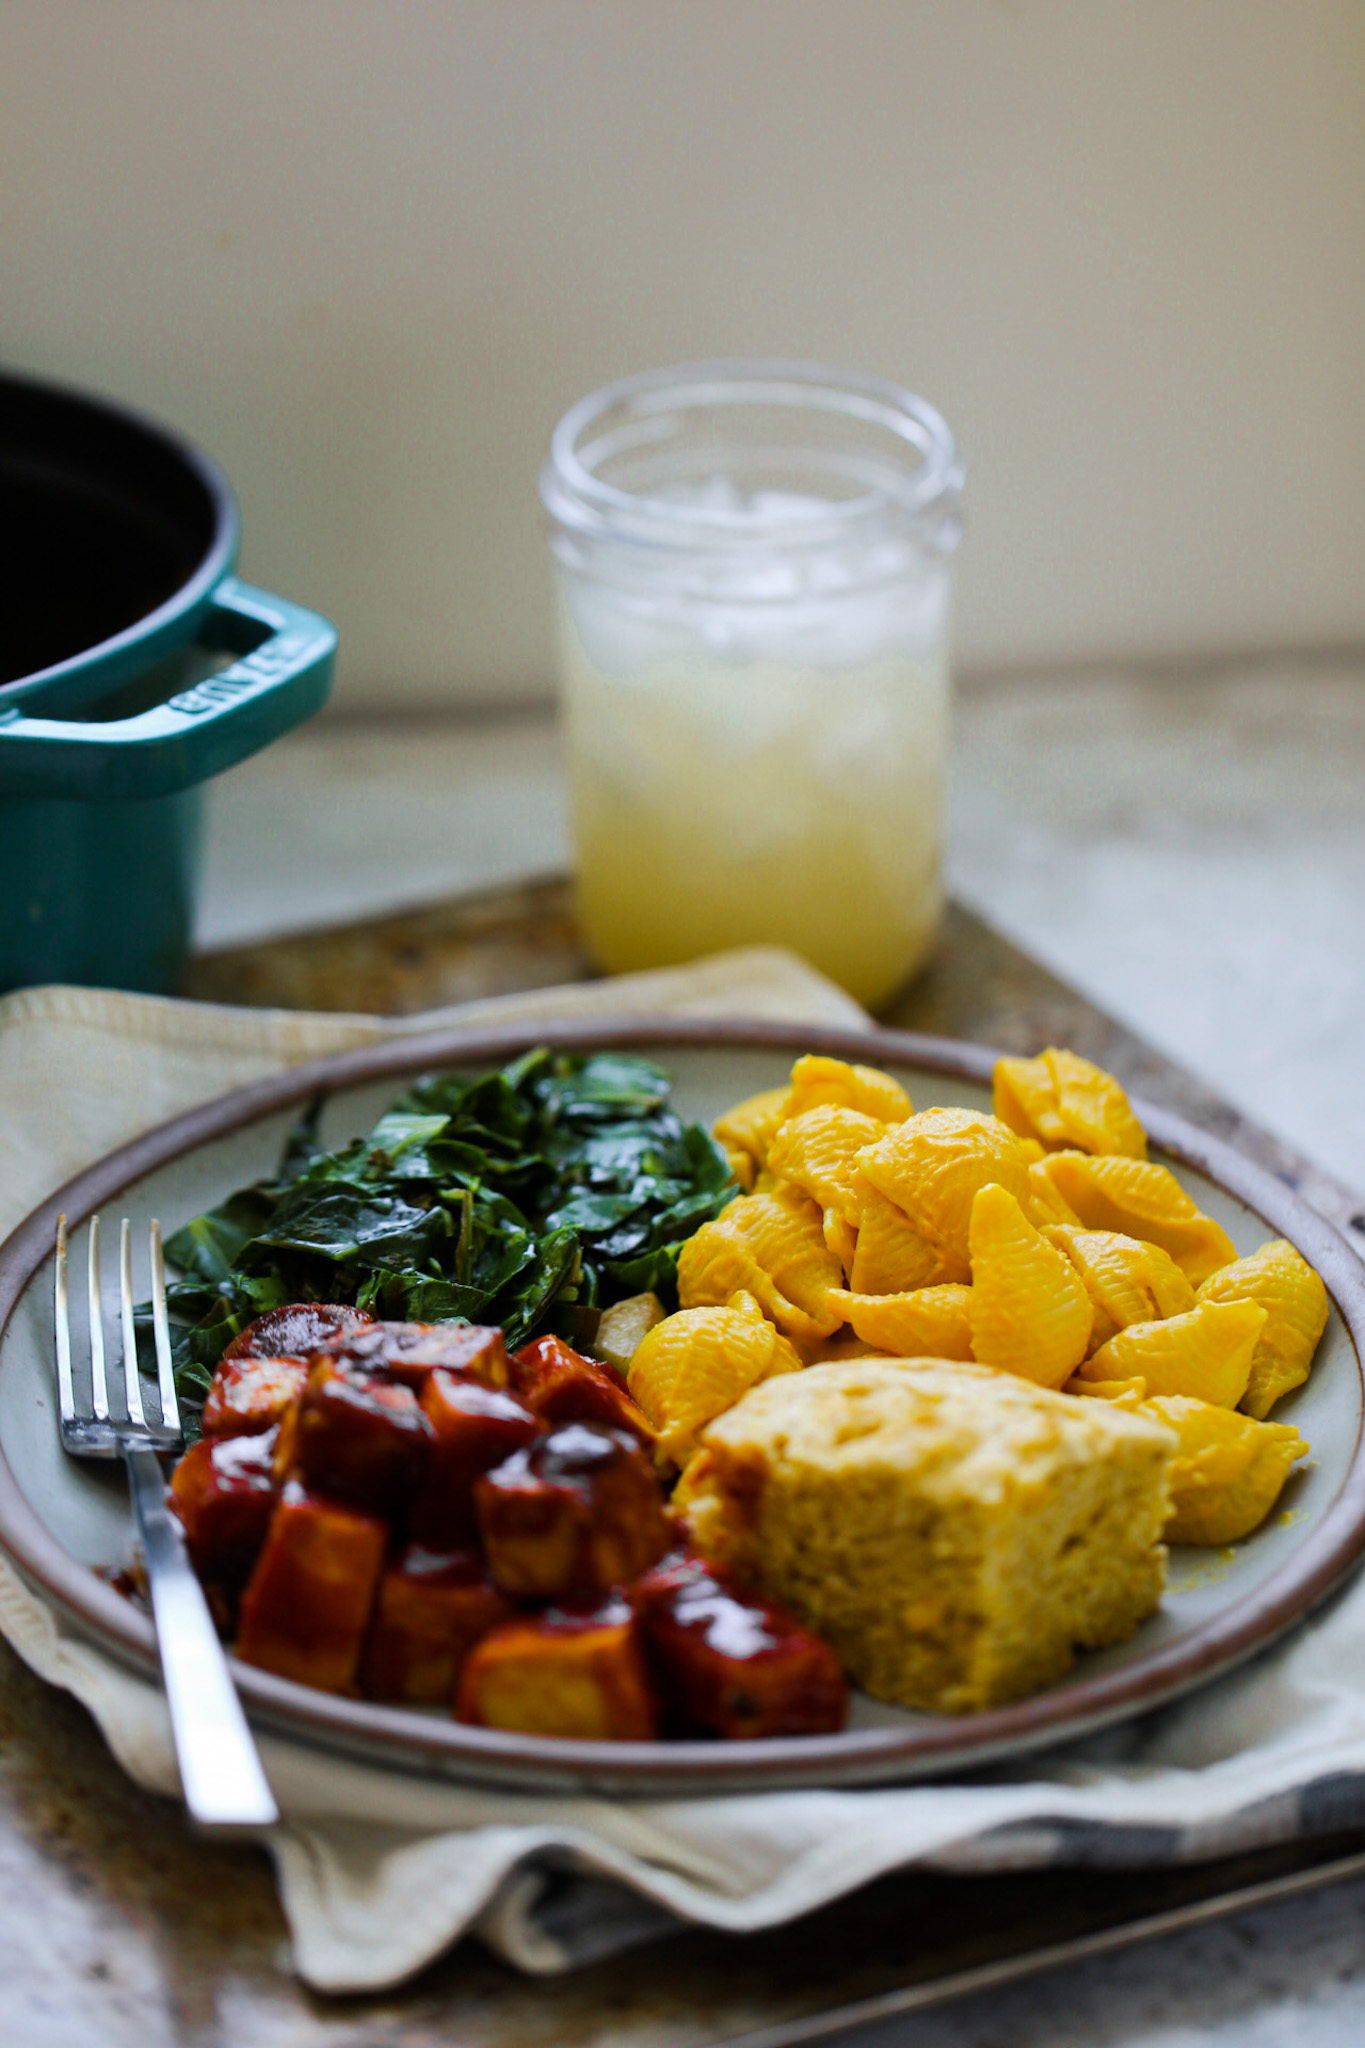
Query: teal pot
x,y
133,667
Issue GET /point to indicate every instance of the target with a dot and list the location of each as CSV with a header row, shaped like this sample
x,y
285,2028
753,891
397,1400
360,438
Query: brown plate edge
x,y
863,1755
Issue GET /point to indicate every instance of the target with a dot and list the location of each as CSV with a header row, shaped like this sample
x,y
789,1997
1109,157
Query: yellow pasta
x,y
1127,1281
1205,1353
1229,1470
1044,1201
1039,1241
1296,1306
932,1167
749,1128
1029,1312
1061,1100
1143,1200
818,1081
816,1152
696,1364
1128,1394
841,1238
929,1322
773,1247
890,1256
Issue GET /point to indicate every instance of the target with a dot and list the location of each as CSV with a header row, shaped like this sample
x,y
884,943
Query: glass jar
x,y
753,570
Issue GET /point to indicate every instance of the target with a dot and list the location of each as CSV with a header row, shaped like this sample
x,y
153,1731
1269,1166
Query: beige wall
x,y
367,252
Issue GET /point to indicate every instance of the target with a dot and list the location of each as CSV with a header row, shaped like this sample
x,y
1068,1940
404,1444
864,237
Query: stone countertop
x,y
1188,851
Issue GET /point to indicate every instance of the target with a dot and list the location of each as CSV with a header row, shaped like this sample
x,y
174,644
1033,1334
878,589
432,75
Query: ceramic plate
x,y
60,1518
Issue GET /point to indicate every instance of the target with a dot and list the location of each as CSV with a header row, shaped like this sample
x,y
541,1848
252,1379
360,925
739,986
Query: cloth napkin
x,y
380,1871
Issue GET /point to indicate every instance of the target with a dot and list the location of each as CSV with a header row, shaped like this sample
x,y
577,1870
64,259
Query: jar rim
x,y
925,493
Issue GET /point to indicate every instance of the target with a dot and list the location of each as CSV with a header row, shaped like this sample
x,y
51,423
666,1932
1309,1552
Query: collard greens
x,y
532,1197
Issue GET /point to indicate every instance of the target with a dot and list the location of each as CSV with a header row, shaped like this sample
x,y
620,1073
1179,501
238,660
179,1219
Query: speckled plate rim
x,y
399,1739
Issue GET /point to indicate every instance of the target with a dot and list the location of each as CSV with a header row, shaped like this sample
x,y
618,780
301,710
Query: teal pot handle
x,y
281,676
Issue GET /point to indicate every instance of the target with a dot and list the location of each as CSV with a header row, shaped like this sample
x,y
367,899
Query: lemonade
x,y
723,803
754,593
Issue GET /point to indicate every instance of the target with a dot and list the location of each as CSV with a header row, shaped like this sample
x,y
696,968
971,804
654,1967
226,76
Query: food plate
x,y
59,1518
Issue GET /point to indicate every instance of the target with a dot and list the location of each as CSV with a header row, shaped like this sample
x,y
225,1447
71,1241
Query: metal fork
x,y
220,1772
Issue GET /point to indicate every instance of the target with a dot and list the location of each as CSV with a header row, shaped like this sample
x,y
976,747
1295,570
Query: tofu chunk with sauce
x,y
433,1607
306,1608
577,1675
578,1512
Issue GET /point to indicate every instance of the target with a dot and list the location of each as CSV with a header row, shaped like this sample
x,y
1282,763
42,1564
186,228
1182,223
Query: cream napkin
x,y
127,1062
379,1871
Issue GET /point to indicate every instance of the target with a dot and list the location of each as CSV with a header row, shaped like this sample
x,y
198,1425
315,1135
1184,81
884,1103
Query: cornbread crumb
x,y
954,1533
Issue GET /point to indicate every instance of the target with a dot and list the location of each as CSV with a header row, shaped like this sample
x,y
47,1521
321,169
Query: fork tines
x,y
94,1427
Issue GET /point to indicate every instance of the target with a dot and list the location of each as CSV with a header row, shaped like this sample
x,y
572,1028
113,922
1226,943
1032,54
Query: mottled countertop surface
x,y
1188,850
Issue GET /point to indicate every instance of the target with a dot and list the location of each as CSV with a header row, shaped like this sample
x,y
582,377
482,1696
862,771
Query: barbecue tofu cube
x,y
410,1351
728,1662
474,1428
575,1514
249,1395
562,1386
580,1676
224,1494
307,1604
297,1330
358,1439
954,1534
433,1607
262,1372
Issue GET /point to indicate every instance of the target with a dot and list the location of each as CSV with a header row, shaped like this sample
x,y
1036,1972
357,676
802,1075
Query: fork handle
x,y
220,1772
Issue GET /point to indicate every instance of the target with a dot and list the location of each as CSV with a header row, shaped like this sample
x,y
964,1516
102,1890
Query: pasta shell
x,y
928,1322
1143,1200
818,1081
816,1151
1127,1281
1205,1353
1296,1305
751,1126
742,1169
694,1365
891,1257
932,1167
841,1238
1229,1469
836,1350
1060,1100
773,1247
1043,1203
1128,1394
1030,1313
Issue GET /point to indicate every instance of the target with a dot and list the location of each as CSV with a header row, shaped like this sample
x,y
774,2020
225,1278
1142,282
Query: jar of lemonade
x,y
753,579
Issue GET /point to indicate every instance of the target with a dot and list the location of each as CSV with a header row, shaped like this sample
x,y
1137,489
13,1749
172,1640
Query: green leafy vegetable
x,y
532,1197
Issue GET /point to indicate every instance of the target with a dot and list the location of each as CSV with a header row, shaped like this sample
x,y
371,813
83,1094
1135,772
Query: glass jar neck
x,y
754,478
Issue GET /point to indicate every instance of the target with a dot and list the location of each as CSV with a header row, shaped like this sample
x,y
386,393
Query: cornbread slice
x,y
954,1533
